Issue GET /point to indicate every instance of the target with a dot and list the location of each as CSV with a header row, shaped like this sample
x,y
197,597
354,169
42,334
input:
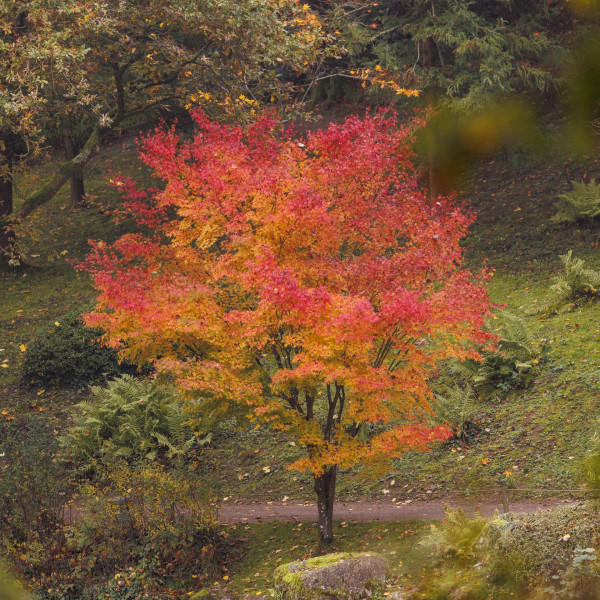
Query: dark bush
x,y
33,491
70,354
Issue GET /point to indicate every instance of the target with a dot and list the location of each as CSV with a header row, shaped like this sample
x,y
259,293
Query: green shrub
x,y
575,281
147,517
460,543
458,537
131,419
581,204
532,549
33,490
68,353
511,366
140,531
549,552
580,581
589,468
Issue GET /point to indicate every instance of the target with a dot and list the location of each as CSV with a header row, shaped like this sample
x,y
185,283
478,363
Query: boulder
x,y
333,576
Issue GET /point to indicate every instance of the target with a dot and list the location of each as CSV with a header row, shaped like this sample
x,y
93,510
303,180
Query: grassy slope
x,y
53,239
537,434
264,546
533,433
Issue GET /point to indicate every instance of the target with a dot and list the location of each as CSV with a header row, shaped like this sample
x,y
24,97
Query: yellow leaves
x,y
245,99
378,77
485,461
23,347
57,323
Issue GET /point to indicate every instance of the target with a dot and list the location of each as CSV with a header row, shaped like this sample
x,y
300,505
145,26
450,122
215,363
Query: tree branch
x,y
64,173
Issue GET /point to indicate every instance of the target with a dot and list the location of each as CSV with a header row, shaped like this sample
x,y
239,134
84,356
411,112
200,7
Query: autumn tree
x,y
99,67
308,283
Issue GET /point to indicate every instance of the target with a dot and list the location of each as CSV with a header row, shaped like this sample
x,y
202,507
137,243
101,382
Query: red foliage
x,y
307,282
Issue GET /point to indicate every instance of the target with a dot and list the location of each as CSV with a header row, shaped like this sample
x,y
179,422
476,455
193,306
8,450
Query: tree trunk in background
x,y
7,236
325,489
44,194
76,180
429,50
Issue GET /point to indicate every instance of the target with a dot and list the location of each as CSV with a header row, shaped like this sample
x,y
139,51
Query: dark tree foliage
x,y
461,52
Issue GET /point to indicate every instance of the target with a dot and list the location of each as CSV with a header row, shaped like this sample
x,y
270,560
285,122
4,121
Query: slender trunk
x,y
62,175
429,49
325,489
76,179
7,236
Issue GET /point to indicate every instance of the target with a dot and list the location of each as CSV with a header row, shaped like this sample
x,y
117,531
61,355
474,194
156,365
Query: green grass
x,y
265,546
53,239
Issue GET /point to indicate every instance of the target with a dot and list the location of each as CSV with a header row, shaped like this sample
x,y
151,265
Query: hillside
x,y
537,434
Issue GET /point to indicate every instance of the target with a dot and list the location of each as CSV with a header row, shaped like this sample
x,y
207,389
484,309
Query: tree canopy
x,y
307,282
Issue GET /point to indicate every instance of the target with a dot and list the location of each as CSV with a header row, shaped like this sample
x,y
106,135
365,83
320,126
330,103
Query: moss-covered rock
x,y
342,575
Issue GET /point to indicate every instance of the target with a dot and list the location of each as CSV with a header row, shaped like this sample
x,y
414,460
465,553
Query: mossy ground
x,y
265,546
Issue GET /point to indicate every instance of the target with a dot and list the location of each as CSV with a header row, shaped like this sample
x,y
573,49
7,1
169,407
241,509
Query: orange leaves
x,y
307,283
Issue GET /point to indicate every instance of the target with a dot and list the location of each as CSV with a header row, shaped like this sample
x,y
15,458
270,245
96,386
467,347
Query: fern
x,y
129,418
575,281
457,408
590,467
582,204
459,536
511,366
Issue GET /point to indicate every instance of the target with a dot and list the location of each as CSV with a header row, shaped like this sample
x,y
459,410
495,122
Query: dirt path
x,y
426,510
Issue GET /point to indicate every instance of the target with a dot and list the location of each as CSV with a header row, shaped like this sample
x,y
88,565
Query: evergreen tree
x,y
461,52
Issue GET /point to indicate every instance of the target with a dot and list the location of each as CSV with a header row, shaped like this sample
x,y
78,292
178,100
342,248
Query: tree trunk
x,y
76,179
429,62
325,489
62,175
43,195
7,237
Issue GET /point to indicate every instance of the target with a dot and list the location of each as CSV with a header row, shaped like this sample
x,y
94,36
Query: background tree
x,y
306,282
463,53
465,57
127,60
33,54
